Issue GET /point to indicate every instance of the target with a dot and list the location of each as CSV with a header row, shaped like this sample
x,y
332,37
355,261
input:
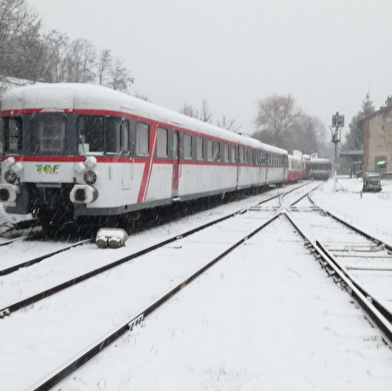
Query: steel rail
x,y
10,241
14,306
307,194
377,313
29,262
375,240
290,191
70,366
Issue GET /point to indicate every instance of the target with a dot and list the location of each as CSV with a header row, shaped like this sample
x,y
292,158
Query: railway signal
x,y
336,129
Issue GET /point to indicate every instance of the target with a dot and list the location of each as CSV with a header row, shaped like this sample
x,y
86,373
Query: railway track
x,y
358,262
212,243
7,267
216,238
28,293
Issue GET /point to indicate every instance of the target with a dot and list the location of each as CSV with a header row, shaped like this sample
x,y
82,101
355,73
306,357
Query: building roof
x,y
355,153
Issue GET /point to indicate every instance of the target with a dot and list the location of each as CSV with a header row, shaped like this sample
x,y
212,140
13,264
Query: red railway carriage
x,y
83,150
296,167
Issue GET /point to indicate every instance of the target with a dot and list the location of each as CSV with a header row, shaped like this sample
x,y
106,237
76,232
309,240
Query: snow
x,y
251,322
371,212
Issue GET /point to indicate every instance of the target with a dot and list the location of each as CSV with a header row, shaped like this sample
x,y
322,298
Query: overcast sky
x,y
327,54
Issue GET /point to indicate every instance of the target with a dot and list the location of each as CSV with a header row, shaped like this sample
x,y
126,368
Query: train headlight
x,y
90,177
8,193
10,176
83,194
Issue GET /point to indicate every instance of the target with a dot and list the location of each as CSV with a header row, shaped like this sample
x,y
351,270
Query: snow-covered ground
x,y
371,212
271,322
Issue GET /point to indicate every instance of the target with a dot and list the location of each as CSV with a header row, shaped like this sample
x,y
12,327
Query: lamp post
x,y
336,129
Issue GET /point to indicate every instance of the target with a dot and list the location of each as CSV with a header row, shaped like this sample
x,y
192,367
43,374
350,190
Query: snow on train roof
x,y
319,160
78,96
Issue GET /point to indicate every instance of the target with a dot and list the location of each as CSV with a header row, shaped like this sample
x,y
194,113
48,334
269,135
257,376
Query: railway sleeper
x,y
337,279
331,272
4,313
307,244
323,263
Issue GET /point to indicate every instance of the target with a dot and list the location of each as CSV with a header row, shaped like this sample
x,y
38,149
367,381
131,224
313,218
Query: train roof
x,y
77,96
319,160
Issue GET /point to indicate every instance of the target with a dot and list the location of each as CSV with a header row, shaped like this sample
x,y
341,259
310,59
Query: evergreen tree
x,y
354,138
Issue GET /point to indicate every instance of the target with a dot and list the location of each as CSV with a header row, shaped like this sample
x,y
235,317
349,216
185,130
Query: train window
x,y
162,144
124,136
262,158
47,134
232,153
12,134
199,148
142,139
241,154
187,146
113,135
216,151
258,157
175,146
90,133
209,149
225,152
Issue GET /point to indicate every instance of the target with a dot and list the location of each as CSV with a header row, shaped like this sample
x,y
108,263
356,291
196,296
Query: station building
x,y
377,141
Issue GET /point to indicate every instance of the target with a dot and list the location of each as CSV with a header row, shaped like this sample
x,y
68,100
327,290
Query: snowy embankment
x,y
265,317
371,212
273,322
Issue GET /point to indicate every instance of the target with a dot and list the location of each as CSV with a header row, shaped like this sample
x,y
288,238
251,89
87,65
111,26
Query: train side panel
x,y
99,152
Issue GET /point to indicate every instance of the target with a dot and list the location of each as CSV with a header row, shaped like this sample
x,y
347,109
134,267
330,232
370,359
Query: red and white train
x,y
297,167
78,150
318,168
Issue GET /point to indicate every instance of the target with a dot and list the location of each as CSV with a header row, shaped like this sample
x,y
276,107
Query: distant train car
x,y
297,167
318,168
72,151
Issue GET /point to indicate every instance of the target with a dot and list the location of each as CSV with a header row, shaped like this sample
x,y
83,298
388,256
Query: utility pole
x,y
336,129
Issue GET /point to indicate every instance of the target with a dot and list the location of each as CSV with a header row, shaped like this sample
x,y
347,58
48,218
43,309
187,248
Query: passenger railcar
x,y
297,167
318,168
80,150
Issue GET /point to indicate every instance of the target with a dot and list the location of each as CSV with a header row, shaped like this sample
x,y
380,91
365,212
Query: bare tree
x,y
277,117
141,96
19,27
228,124
189,110
27,53
205,114
104,66
54,58
120,77
79,62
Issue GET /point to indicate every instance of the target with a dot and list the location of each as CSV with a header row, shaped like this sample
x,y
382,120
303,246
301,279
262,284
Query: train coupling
x,y
111,237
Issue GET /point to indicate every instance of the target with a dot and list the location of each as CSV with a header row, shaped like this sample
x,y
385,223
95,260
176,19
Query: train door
x,y
176,168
